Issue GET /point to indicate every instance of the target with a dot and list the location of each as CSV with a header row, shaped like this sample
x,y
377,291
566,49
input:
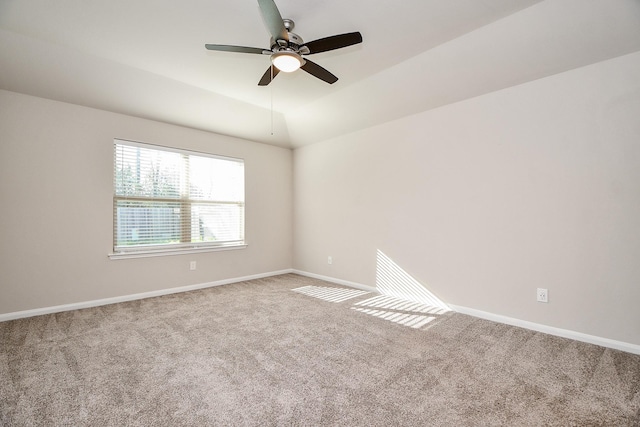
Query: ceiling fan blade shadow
x,y
273,20
333,42
319,72
240,49
268,76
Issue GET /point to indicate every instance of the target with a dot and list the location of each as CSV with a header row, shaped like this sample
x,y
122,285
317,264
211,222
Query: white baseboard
x,y
132,297
565,333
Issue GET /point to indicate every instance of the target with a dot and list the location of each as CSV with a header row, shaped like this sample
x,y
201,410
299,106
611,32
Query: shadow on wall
x,y
392,280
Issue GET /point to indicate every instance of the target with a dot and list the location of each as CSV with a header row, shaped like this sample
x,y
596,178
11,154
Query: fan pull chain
x,y
271,88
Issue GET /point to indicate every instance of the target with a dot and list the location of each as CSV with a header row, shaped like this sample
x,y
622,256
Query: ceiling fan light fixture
x,y
287,61
286,48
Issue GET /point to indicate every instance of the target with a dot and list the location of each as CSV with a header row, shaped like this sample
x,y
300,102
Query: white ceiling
x,y
147,58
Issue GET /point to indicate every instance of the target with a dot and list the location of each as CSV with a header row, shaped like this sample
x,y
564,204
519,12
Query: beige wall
x,y
485,200
481,201
56,174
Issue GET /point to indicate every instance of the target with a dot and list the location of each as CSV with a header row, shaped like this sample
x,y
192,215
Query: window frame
x,y
151,250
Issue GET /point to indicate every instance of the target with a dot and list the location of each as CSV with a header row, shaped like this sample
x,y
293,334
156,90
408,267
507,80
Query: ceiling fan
x,y
287,48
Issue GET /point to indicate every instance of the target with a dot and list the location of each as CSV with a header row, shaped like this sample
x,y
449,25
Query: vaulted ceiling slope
x,y
146,58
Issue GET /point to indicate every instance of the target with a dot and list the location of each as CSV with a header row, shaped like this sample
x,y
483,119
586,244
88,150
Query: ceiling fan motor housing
x,y
293,44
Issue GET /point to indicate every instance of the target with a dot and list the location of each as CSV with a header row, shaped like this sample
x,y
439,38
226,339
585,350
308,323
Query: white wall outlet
x,y
192,265
329,260
542,295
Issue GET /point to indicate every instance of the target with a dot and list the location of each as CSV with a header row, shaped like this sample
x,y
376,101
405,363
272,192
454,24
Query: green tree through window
x,y
172,199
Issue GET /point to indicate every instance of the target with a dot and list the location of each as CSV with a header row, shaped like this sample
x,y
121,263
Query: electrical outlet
x,y
542,295
329,260
192,265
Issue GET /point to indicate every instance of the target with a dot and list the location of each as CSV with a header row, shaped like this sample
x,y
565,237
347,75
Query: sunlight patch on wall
x,y
330,294
392,280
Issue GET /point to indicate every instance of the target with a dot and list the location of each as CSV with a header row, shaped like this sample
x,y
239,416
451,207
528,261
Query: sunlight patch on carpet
x,y
330,294
413,314
390,303
397,310
415,321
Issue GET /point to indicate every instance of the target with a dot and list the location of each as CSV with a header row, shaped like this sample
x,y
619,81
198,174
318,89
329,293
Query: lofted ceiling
x,y
146,58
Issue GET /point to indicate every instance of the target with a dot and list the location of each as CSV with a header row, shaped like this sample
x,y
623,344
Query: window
x,y
167,200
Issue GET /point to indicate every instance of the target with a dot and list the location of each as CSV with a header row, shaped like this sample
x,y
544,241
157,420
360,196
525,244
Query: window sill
x,y
170,252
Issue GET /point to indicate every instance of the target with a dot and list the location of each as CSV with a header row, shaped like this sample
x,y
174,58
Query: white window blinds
x,y
168,199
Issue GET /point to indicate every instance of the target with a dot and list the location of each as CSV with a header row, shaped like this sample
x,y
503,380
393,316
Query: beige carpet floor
x,y
288,351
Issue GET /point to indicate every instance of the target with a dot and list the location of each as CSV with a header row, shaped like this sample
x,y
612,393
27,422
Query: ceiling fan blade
x,y
333,42
241,49
273,20
268,76
319,72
